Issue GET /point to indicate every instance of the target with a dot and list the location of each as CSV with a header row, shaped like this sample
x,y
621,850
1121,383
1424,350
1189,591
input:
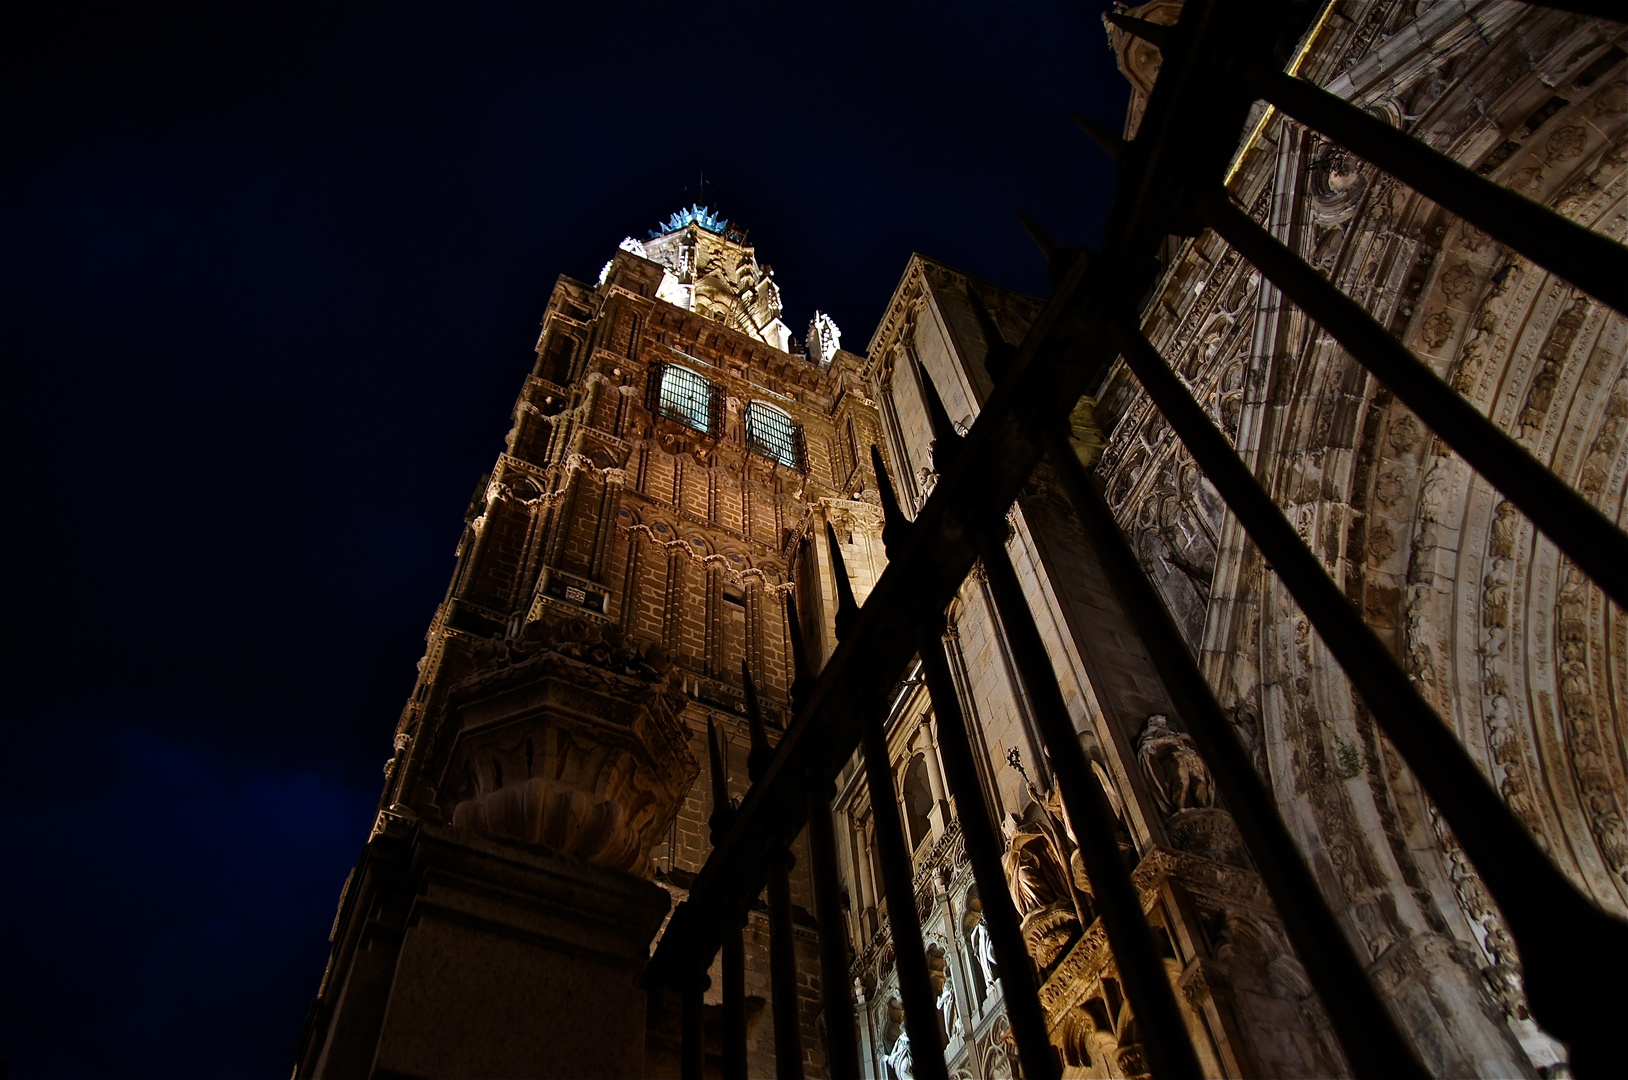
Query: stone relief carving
x,y
1488,631
1177,774
1553,358
1602,793
571,740
1185,793
1037,872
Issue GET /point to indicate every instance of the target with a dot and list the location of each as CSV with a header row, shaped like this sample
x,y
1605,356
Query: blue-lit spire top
x,y
692,215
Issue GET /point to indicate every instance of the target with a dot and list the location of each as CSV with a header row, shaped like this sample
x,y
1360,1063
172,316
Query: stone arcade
x,y
675,456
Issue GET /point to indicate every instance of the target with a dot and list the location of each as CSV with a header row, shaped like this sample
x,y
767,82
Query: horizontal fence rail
x,y
1218,60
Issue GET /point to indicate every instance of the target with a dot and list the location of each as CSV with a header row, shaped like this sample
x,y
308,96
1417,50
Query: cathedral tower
x,y
631,551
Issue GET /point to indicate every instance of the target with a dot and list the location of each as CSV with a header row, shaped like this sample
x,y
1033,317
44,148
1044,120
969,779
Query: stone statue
x,y
1033,871
1052,913
1178,776
983,947
947,1013
898,1058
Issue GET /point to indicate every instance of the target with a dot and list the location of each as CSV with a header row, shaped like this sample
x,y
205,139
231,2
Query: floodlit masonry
x,y
679,469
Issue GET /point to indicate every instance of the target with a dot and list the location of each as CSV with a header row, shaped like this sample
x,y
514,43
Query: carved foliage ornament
x,y
571,740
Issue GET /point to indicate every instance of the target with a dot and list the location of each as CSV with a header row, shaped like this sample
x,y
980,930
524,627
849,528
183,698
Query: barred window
x,y
771,433
686,397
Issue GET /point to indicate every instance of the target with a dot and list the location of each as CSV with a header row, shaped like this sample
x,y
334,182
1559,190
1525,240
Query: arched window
x,y
686,397
772,433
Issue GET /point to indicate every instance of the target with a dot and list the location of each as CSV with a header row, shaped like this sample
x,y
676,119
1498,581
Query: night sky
x,y
272,279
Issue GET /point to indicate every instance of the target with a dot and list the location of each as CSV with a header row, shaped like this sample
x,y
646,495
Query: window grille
x,y
771,433
686,397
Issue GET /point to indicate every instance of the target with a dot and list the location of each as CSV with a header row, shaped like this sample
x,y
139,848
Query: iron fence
x,y
1218,60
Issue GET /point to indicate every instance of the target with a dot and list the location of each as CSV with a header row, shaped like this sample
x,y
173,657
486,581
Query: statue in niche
x,y
938,978
1032,869
1038,863
896,1059
948,1017
979,945
1178,776
1185,791
983,948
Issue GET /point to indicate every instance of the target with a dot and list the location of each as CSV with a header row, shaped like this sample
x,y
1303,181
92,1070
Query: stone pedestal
x,y
498,926
515,963
505,962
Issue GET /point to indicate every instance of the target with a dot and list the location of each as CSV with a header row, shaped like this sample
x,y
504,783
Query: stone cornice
x,y
890,330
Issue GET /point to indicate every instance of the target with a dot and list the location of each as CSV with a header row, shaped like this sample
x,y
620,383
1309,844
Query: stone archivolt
x,y
1514,647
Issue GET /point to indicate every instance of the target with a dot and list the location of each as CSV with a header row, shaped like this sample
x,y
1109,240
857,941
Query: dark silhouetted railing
x,y
1218,60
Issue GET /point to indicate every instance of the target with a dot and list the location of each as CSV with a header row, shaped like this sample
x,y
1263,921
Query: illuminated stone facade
x,y
1246,996
1522,655
1524,659
631,549
674,458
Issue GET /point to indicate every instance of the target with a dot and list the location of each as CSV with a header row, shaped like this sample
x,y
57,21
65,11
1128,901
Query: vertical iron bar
x,y
788,1028
1372,1042
734,990
1563,938
1575,526
693,1048
909,951
1583,257
1164,1030
1022,987
841,1031
734,949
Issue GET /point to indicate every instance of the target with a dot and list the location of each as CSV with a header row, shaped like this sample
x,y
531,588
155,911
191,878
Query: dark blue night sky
x,y
272,277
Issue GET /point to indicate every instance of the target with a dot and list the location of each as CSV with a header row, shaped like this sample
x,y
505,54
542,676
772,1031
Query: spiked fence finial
x,y
998,355
757,759
1111,142
894,525
719,820
1059,259
1042,240
1155,34
946,440
802,677
847,609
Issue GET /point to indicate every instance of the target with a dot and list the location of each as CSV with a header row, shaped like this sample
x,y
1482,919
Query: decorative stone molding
x,y
711,559
570,740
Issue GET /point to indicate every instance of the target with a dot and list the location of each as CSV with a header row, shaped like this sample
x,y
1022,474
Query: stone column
x,y
935,781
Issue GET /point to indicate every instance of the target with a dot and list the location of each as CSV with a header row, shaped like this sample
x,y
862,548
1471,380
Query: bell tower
x,y
670,459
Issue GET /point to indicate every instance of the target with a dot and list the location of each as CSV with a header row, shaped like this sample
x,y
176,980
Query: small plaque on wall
x,y
581,595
